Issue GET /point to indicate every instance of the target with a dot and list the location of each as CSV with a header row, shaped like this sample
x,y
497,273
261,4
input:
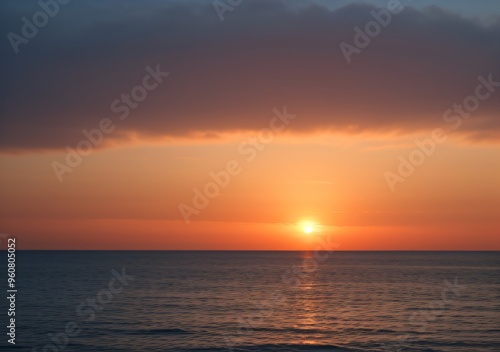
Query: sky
x,y
250,125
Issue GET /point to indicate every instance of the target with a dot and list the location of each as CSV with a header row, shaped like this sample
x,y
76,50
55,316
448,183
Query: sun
x,y
308,227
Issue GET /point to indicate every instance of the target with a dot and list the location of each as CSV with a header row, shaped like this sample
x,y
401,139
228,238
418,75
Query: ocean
x,y
255,301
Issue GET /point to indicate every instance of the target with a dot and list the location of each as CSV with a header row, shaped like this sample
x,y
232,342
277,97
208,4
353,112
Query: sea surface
x,y
255,301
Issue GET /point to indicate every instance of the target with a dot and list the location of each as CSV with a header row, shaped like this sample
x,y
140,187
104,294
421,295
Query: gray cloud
x,y
229,75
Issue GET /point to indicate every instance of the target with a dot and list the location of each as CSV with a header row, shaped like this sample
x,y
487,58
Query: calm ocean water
x,y
257,301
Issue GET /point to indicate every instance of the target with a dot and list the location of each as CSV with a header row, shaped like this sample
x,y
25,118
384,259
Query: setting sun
x,y
268,175
308,227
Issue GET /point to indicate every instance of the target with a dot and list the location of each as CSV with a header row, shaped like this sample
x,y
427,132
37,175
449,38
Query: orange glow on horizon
x,y
127,198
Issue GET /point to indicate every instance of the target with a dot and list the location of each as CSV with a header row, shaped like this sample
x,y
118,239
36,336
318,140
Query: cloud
x,y
229,75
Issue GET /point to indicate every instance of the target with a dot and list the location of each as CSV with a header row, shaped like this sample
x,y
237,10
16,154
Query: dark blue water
x,y
256,301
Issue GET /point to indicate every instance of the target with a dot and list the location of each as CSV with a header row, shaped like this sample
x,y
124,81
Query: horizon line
x,y
259,250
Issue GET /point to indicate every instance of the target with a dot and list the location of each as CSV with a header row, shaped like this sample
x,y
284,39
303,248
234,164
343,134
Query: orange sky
x,y
196,131
128,197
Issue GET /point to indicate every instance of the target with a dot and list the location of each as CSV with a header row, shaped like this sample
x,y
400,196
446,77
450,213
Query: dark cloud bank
x,y
229,75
